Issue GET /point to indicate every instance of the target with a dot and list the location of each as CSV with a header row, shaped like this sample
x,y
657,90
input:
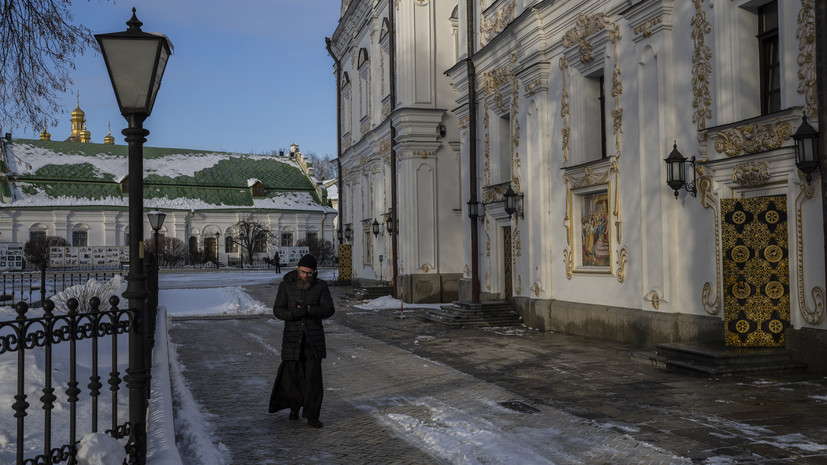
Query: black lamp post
x,y
217,261
156,220
136,61
676,172
806,148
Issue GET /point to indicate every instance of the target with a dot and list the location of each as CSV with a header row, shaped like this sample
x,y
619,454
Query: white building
x,y
573,106
78,191
399,146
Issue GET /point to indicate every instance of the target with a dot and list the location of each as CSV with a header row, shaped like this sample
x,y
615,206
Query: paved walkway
x,y
401,391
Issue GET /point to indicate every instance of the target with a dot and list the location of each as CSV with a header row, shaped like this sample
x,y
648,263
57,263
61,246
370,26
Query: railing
x,y
24,285
45,338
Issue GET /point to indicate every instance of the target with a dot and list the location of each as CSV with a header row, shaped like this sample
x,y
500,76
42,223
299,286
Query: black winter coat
x,y
299,321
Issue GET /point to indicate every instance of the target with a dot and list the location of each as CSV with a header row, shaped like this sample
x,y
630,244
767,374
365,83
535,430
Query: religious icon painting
x,y
593,224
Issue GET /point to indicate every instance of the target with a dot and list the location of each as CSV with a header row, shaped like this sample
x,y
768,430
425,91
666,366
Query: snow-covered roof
x,y
71,174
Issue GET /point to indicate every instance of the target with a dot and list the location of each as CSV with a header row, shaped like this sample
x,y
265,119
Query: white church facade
x,y
569,109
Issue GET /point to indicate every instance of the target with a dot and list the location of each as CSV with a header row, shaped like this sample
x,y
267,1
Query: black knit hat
x,y
308,261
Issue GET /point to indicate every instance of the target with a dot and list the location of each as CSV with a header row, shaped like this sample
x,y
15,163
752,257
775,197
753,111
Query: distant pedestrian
x,y
302,302
277,258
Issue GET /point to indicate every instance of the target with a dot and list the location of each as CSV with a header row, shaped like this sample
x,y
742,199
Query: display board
x,y
11,256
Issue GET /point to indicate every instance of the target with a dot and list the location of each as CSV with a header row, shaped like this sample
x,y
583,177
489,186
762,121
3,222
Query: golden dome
x,y
109,139
45,134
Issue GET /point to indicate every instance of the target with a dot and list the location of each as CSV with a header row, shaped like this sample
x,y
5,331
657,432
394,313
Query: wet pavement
x,y
403,391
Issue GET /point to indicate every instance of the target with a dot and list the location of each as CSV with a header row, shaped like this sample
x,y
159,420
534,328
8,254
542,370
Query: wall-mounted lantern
x,y
513,202
806,148
676,172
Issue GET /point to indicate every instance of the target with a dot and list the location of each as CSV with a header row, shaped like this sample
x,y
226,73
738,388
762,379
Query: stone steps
x,y
369,293
473,315
717,360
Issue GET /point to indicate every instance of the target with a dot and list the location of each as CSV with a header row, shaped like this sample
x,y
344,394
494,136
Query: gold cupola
x,y
85,135
78,125
109,139
45,134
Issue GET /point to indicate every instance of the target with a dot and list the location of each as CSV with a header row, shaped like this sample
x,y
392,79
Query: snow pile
x,y
100,449
202,302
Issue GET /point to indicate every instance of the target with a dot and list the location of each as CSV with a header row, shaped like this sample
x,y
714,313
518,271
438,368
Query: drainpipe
x,y
821,90
394,198
472,149
329,45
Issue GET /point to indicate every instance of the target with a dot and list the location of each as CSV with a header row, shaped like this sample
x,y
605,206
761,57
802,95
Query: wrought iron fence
x,y
97,331
26,286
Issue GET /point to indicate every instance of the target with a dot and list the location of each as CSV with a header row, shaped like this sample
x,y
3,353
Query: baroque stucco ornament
x,y
752,138
701,67
751,173
494,24
585,26
811,315
806,56
710,200
644,28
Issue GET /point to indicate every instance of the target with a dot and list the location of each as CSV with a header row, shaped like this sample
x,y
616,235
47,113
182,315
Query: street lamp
x,y
217,261
348,232
156,220
806,148
376,227
136,61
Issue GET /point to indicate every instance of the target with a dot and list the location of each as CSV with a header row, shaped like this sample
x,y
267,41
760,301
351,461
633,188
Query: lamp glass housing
x,y
136,61
510,201
675,169
348,232
375,227
806,147
156,219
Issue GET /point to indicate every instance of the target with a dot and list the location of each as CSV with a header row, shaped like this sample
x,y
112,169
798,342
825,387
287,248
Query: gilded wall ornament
x,y
751,173
701,67
621,264
424,153
568,260
493,25
617,113
564,109
752,138
519,289
815,314
653,299
805,33
486,171
536,288
425,268
463,123
709,200
532,86
585,26
645,26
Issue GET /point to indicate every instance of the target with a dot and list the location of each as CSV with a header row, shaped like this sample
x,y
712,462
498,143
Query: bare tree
x,y
324,167
38,42
322,249
172,250
251,236
37,252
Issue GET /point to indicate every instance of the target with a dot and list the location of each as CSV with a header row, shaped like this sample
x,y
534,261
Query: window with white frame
x,y
594,115
769,60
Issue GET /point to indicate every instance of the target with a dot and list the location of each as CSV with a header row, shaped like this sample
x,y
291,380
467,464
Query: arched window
x,y
37,231
80,235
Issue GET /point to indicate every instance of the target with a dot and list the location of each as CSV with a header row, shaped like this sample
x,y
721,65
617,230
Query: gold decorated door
x,y
507,290
756,271
345,262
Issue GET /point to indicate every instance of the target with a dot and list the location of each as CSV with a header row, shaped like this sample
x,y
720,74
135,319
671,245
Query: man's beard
x,y
304,283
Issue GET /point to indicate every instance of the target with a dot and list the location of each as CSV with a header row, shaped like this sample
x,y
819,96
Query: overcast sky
x,y
246,76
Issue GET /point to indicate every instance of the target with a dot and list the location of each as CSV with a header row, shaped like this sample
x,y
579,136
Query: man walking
x,y
302,302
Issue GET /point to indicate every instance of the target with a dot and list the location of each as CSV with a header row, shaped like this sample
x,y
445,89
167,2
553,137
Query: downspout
x,y
328,44
821,98
394,200
472,150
